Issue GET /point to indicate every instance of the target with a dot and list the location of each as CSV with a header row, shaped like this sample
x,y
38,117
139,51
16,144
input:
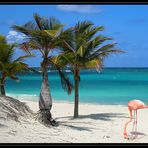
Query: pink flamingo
x,y
133,105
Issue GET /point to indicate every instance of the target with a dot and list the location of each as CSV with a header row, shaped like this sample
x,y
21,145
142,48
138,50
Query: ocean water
x,y
110,86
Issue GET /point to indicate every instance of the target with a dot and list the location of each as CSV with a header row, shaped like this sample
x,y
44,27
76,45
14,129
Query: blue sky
x,y
126,24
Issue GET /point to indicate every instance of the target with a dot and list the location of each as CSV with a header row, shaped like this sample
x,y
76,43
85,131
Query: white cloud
x,y
14,36
80,8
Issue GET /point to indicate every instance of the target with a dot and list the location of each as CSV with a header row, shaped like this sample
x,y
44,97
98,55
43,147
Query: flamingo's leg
x,y
133,121
133,129
136,125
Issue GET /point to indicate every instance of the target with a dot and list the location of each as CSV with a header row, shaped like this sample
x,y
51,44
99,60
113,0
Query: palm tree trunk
x,y
76,101
3,90
45,101
2,85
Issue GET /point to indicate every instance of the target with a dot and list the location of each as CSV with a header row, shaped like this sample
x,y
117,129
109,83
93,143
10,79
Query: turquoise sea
x,y
110,86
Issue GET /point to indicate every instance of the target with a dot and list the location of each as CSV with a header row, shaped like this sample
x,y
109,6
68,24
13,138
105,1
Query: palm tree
x,y
9,67
84,50
43,34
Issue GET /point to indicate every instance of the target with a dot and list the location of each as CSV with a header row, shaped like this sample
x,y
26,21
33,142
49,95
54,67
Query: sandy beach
x,y
97,124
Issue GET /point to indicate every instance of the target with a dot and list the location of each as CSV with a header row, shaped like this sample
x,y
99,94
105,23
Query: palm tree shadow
x,y
98,116
76,127
103,116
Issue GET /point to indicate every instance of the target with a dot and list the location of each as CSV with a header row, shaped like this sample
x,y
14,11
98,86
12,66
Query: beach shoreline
x,y
96,124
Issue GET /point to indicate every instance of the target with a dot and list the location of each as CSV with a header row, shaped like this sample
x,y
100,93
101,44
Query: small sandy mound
x,y
12,110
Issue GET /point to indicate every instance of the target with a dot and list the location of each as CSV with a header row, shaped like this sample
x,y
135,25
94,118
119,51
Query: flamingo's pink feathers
x,y
136,104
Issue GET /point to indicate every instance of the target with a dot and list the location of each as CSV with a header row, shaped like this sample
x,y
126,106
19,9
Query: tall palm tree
x,y
83,49
9,67
43,34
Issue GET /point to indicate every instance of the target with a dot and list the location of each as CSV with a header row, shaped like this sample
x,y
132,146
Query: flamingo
x,y
133,105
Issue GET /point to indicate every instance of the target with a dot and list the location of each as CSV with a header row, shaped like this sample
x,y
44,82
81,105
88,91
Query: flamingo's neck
x,y
125,131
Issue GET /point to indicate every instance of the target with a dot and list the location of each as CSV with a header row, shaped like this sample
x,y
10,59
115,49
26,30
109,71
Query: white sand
x,y
97,124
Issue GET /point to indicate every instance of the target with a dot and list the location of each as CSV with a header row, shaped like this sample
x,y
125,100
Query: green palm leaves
x,y
9,67
44,35
41,34
85,46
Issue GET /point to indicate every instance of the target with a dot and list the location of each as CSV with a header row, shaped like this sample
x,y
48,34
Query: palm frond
x,y
64,40
91,32
22,29
65,82
52,33
38,21
105,50
22,58
95,63
6,50
81,27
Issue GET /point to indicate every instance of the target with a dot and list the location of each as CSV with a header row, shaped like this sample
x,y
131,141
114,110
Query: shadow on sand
x,y
66,124
98,116
103,116
137,133
2,125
